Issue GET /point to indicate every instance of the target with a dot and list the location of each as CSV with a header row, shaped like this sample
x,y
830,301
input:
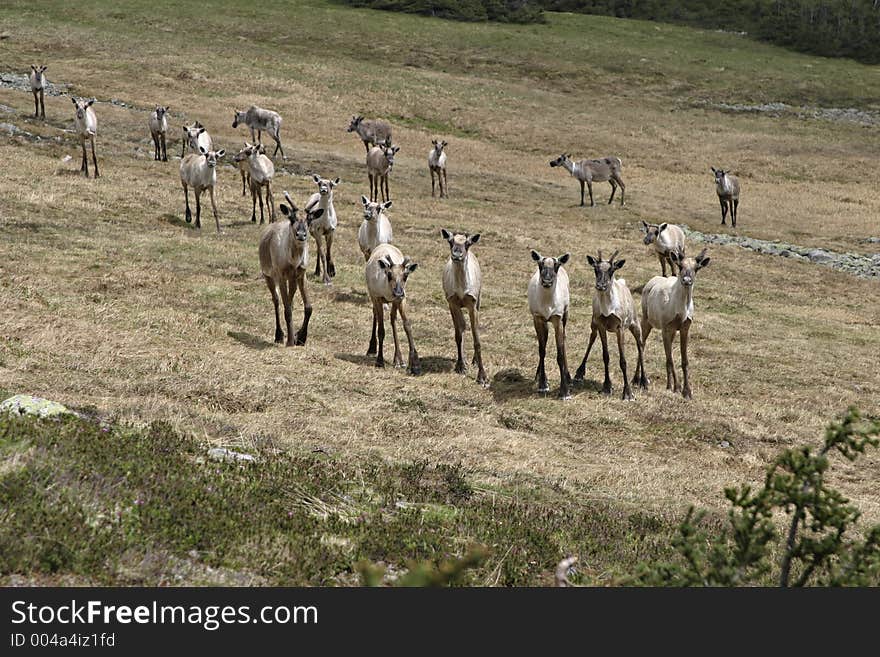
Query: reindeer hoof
x,y
687,394
564,396
628,396
415,370
189,217
460,368
579,375
544,388
606,390
380,362
483,380
331,269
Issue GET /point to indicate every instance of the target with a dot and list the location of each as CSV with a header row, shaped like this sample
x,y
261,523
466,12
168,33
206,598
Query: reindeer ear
x,y
285,210
445,143
394,149
335,182
383,264
592,260
662,228
713,170
386,205
703,262
316,214
645,224
365,200
411,267
473,239
91,102
433,141
563,258
33,67
619,264
221,152
73,100
316,177
202,150
445,234
536,256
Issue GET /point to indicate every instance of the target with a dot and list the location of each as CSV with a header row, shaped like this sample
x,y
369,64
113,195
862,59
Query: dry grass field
x,y
111,300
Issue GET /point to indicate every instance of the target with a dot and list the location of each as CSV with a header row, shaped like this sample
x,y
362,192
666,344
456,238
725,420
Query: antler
x,y
613,256
290,200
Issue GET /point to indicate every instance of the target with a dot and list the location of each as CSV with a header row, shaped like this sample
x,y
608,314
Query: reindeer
x,y
380,160
37,79
375,228
386,272
284,256
86,125
158,130
194,136
666,238
668,305
462,287
372,132
590,171
199,171
259,120
613,310
437,166
548,304
260,174
324,228
727,188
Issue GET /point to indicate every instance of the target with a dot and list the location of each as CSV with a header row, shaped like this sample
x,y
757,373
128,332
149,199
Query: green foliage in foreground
x,y
817,546
116,505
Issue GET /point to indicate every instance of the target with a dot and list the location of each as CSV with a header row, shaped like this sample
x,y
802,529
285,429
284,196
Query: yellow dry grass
x,y
110,299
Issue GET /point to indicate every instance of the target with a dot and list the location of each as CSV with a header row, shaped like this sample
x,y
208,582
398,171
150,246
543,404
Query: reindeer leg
x,y
662,257
398,357
640,379
254,203
36,106
279,334
734,211
415,365
686,387
541,330
474,315
371,349
189,216
198,195
723,211
627,391
433,192
318,240
582,192
94,157
270,203
331,268
164,148
445,192
622,189
42,105
379,321
671,380
303,332
285,284
603,335
582,370
613,189
458,325
214,209
590,188
561,361
85,160
156,154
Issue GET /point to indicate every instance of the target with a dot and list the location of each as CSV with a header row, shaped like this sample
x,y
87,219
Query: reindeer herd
x,y
667,302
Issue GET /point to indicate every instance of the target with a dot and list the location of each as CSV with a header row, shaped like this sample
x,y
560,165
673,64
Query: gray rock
x,y
819,255
30,405
223,454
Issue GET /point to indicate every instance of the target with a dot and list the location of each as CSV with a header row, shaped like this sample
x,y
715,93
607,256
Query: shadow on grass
x,y
351,297
511,384
251,341
361,359
437,364
175,220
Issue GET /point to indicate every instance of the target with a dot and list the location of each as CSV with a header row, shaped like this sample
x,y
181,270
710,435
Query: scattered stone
x,y
724,444
223,454
819,255
30,405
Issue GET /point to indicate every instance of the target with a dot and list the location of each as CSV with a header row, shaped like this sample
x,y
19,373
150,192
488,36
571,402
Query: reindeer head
x,y
192,132
560,161
249,150
397,274
389,151
82,104
238,118
459,244
604,269
652,231
373,210
719,175
688,267
38,70
549,267
211,157
161,111
299,225
325,186
355,122
439,145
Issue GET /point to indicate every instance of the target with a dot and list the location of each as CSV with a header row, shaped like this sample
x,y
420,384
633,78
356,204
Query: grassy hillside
x,y
112,301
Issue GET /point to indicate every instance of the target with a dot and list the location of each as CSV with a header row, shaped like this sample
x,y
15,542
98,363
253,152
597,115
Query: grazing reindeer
x,y
159,129
606,169
375,228
727,188
194,136
199,171
437,166
548,303
462,285
38,85
668,305
86,125
380,160
666,238
260,174
613,310
386,272
259,120
284,256
324,228
372,132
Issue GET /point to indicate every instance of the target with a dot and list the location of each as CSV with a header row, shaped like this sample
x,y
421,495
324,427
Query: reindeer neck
x,y
684,298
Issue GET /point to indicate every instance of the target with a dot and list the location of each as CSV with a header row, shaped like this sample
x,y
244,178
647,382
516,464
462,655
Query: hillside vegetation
x,y
111,301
